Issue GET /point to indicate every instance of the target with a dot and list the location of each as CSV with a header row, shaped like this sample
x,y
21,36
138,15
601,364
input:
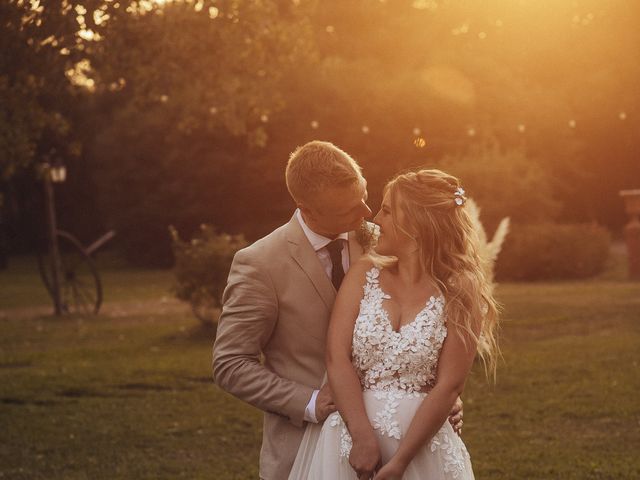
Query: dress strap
x,y
372,276
373,294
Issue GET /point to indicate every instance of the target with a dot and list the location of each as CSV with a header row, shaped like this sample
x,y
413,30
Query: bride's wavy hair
x,y
448,248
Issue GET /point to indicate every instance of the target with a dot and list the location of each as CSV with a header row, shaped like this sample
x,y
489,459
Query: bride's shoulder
x,y
364,264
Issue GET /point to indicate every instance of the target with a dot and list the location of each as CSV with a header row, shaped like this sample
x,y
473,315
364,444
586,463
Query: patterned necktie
x,y
337,272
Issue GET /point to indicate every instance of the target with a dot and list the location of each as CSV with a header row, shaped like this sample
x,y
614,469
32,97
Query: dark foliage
x,y
550,251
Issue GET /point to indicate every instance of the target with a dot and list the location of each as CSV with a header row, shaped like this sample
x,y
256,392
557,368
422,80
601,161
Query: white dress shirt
x,y
319,244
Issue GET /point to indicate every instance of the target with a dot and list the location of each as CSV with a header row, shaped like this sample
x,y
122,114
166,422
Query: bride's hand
x,y
365,456
393,470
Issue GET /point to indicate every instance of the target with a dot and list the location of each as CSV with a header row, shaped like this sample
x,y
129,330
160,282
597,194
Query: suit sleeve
x,y
249,315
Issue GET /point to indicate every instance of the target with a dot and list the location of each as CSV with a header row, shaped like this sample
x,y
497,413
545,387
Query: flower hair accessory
x,y
459,197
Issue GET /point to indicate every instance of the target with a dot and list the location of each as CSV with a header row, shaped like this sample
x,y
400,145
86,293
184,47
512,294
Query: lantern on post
x,y
56,173
632,231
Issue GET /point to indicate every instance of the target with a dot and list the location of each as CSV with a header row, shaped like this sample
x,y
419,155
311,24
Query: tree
x,y
185,91
40,42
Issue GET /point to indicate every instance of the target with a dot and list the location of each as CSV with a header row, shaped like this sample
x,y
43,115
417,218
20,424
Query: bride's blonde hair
x,y
448,247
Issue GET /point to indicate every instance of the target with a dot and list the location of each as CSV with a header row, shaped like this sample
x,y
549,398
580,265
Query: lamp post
x,y
632,231
54,174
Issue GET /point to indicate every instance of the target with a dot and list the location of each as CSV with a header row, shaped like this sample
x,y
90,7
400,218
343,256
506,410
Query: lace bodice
x,y
405,360
396,366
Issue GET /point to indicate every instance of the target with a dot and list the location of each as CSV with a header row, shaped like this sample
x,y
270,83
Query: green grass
x,y
565,403
128,394
20,285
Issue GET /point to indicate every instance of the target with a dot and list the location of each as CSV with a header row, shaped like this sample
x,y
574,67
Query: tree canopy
x,y
182,112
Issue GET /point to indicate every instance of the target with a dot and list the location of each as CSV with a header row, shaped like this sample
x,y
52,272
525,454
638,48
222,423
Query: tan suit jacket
x,y
276,308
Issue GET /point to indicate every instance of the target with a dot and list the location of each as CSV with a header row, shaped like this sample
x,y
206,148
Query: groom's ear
x,y
306,211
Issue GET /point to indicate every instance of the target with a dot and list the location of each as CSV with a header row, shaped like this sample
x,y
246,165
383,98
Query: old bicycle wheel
x,y
80,285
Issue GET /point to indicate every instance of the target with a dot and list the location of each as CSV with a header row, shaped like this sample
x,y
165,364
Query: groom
x,y
270,345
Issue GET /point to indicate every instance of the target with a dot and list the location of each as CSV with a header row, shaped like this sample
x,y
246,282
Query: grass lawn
x,y
128,394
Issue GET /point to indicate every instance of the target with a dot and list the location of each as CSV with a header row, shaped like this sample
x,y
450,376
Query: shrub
x,y
552,251
506,184
201,269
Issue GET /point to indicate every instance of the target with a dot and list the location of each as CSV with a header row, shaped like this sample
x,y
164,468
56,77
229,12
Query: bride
x,y
406,326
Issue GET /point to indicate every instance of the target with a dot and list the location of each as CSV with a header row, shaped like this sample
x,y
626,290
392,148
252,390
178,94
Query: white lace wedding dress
x,y
394,369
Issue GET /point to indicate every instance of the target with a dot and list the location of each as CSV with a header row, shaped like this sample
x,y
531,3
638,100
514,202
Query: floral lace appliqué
x,y
455,452
335,420
398,364
403,361
383,420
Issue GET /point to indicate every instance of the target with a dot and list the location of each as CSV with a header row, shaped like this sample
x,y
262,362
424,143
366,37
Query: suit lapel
x,y
303,253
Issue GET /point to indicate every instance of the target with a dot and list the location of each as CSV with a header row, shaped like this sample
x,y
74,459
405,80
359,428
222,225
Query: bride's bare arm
x,y
454,364
345,385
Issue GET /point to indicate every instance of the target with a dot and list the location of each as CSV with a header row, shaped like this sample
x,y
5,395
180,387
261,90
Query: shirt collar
x,y
316,240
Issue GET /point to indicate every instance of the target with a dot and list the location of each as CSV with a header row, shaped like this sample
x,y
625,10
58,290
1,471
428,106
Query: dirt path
x,y
160,306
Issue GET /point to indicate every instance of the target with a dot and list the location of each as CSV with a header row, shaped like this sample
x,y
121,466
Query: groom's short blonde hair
x,y
317,165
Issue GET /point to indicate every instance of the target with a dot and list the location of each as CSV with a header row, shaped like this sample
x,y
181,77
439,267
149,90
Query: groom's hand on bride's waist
x,y
455,416
324,403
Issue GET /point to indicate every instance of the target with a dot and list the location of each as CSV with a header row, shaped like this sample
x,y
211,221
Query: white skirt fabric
x,y
324,451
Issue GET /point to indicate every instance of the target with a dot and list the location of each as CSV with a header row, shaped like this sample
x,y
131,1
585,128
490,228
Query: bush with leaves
x,y
506,184
201,269
551,251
